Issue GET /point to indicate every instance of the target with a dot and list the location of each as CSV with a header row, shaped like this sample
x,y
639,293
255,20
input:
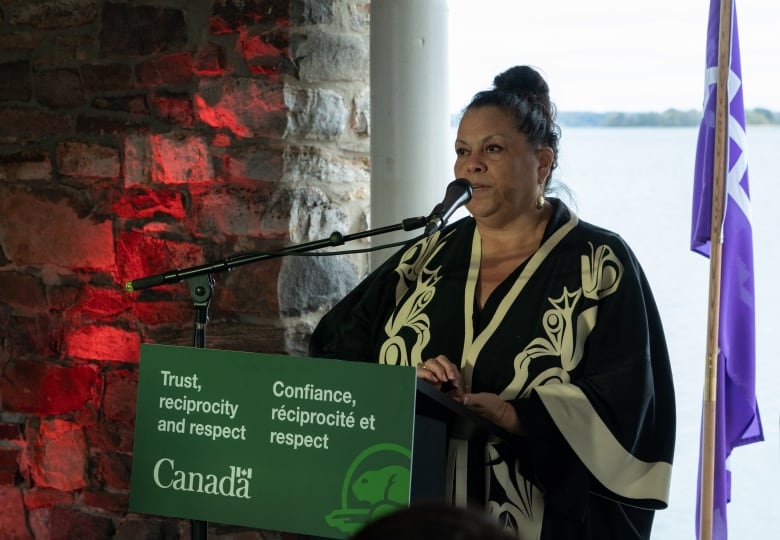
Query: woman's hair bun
x,y
524,82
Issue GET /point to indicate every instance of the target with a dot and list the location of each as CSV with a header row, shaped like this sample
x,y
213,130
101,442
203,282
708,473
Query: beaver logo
x,y
378,482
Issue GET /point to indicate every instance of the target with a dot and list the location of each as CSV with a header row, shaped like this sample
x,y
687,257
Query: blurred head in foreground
x,y
433,521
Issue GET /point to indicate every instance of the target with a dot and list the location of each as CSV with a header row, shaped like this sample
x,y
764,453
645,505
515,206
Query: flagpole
x,y
719,172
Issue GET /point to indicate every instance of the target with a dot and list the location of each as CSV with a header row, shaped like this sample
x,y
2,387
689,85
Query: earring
x,y
540,202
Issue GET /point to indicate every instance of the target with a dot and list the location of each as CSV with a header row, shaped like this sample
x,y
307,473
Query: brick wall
x,y
138,137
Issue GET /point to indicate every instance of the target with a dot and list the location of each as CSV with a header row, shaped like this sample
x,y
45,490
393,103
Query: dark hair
x,y
433,521
523,93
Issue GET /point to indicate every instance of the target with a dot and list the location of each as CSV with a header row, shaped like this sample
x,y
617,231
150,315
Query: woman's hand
x,y
493,408
443,374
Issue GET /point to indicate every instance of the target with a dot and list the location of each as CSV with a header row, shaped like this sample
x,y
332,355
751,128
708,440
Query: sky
x,y
610,55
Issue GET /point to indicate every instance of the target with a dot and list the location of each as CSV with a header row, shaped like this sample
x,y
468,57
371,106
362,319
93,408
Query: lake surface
x,y
638,182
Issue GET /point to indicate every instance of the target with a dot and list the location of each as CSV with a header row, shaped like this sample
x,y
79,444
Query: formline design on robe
x,y
567,323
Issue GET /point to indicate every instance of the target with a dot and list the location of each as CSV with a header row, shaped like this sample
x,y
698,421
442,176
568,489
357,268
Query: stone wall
x,y
138,137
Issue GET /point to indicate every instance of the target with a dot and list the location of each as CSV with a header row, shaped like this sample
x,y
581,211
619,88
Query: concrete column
x,y
410,119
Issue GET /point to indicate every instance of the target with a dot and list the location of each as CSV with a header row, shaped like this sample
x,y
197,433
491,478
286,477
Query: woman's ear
x,y
545,155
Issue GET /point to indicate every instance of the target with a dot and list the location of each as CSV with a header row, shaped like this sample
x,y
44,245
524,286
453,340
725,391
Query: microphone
x,y
458,193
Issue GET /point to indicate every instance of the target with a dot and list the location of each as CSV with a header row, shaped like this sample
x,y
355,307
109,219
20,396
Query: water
x,y
638,182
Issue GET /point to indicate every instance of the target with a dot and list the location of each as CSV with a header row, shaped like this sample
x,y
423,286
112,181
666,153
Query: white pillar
x,y
410,118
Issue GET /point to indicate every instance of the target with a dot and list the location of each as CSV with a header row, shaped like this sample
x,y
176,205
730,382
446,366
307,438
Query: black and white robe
x,y
572,339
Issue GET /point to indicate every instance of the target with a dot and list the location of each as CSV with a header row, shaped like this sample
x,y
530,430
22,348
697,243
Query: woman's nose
x,y
471,163
475,163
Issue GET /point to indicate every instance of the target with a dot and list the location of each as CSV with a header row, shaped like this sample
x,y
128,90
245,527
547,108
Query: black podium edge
x,y
462,422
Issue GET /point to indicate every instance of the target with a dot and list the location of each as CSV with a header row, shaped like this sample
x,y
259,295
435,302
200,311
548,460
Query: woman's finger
x,y
426,374
443,368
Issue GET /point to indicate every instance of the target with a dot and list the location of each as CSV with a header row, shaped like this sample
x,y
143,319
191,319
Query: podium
x,y
440,422
302,445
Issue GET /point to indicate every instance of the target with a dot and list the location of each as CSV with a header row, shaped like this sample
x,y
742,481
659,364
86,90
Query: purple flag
x,y
737,417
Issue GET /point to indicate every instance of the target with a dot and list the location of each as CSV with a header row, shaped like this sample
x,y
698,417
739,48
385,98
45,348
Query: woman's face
x,y
507,173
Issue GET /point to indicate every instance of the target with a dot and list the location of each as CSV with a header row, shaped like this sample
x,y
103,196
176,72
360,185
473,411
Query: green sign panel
x,y
281,443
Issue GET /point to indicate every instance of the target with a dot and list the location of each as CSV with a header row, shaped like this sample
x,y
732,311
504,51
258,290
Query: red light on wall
x,y
99,342
143,203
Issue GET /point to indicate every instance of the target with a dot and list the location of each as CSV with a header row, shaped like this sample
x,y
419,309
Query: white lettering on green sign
x,y
312,393
180,381
296,440
188,406
233,484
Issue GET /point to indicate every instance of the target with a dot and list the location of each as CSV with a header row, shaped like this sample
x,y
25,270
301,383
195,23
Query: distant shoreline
x,y
668,118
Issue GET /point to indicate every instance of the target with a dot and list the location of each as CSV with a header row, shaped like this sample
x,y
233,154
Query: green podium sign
x,y
281,443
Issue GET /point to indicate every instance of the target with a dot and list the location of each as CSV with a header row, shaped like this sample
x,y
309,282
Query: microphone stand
x,y
200,280
226,265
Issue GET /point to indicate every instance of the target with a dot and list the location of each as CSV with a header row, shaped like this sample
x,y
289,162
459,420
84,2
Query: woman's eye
x,y
460,152
493,148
